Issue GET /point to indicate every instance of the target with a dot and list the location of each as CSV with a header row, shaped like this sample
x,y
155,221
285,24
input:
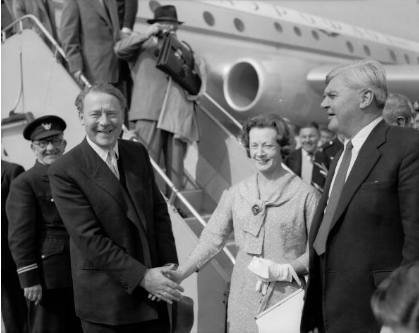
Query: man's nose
x,y
50,146
103,120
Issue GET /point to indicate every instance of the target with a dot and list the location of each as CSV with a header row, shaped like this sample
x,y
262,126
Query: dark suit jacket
x,y
116,232
9,171
294,162
38,240
374,230
88,35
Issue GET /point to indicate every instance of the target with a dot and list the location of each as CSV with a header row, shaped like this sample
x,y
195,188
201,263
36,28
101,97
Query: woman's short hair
x,y
396,300
364,74
105,88
284,137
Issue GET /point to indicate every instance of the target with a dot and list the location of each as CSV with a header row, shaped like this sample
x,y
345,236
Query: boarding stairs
x,y
36,83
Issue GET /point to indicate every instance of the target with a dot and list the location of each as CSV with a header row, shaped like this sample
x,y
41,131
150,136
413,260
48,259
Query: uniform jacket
x,y
151,86
374,230
38,240
88,35
320,167
9,171
331,148
117,231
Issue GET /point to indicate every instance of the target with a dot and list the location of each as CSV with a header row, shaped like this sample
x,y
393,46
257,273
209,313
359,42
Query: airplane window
x,y
315,35
209,18
393,55
278,27
239,24
367,50
297,31
407,59
350,47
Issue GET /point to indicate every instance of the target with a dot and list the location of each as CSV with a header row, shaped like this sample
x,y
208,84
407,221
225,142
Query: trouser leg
x,y
13,304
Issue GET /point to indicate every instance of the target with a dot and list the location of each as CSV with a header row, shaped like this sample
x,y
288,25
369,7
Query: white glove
x,y
268,271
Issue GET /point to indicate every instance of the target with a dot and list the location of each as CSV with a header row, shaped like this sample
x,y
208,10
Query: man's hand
x,y
77,77
34,293
154,29
157,284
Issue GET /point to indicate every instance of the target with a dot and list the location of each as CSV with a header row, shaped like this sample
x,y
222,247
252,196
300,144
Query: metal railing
x,y
175,193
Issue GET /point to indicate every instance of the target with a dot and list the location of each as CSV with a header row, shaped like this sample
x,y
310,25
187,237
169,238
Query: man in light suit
x,y
370,227
118,222
89,30
163,112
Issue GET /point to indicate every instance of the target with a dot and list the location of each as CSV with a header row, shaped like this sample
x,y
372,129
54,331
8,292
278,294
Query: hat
x,y
182,315
44,127
165,13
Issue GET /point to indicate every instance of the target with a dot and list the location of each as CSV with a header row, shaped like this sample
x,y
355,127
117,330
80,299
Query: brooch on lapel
x,y
255,209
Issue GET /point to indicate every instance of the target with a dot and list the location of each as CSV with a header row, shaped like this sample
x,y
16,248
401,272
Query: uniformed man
x,y
38,241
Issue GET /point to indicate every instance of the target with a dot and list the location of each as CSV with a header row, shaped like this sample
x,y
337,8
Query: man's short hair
x,y
364,74
397,105
101,88
313,124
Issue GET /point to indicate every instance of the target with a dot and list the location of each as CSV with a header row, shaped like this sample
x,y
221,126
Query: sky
x,y
398,18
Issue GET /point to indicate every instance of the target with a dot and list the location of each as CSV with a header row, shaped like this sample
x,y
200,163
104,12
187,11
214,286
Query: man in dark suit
x,y
38,240
367,221
118,222
13,307
89,30
308,162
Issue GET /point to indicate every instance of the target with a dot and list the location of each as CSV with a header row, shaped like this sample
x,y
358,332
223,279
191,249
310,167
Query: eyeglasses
x,y
56,142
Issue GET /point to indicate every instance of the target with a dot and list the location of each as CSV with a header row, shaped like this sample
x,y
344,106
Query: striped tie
x,y
112,163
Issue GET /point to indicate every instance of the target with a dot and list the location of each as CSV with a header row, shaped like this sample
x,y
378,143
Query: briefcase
x,y
177,60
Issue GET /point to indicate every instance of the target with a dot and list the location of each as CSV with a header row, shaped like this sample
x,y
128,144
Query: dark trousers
x,y
13,305
55,313
160,325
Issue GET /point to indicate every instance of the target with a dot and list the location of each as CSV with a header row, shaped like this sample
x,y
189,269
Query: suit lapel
x,y
101,10
365,162
96,169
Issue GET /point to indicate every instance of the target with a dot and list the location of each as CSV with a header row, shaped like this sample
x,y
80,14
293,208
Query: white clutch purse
x,y
284,316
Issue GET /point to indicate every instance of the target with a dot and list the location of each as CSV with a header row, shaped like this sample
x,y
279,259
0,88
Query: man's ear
x,y
32,147
81,118
367,97
401,121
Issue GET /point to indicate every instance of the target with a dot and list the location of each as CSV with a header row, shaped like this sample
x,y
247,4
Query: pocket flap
x,y
50,249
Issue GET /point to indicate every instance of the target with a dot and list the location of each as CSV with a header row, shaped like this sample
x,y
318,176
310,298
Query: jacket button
x,y
125,287
52,199
43,256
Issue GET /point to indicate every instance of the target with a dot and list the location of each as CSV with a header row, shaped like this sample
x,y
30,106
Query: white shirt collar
x,y
103,153
360,137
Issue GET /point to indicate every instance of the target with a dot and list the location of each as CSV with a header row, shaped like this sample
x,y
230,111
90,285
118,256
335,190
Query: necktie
x,y
320,241
112,163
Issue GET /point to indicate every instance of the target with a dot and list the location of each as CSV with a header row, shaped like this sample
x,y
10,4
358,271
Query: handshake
x,y
163,283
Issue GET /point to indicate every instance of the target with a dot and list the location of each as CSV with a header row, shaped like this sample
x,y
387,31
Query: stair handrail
x,y
224,111
33,18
